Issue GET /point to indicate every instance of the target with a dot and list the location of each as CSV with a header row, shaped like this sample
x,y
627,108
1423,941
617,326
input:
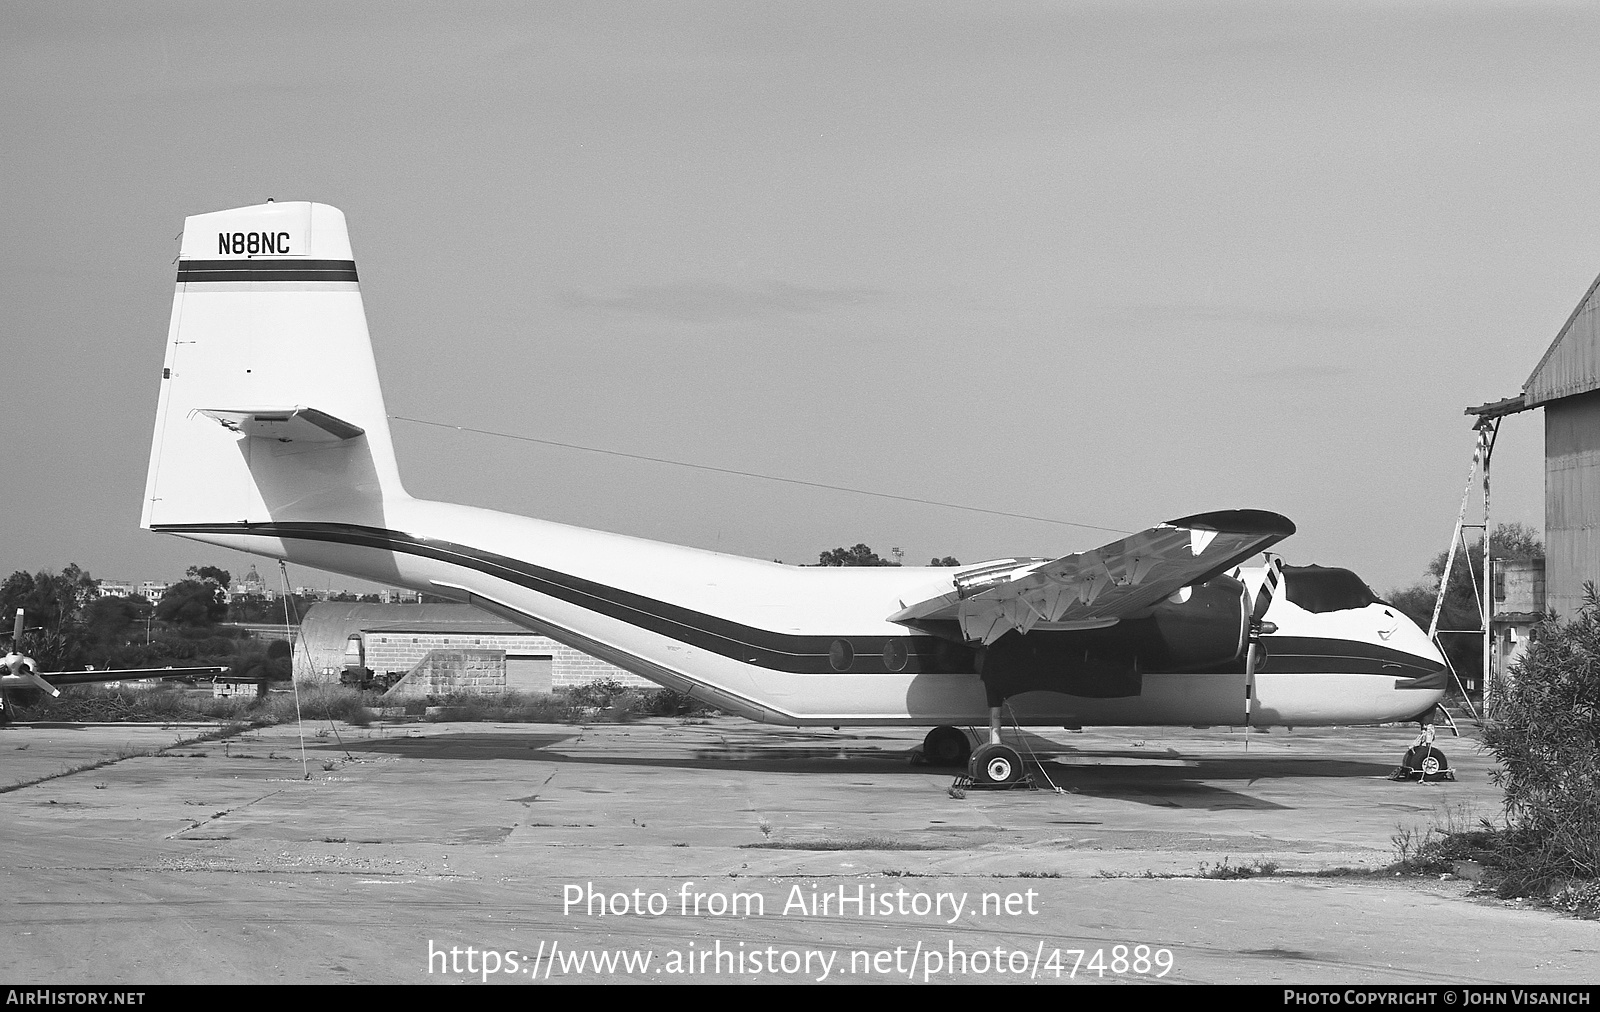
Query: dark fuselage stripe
x,y
191,271
763,647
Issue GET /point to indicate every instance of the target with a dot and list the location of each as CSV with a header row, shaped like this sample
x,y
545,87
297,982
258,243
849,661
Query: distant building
x,y
1519,605
251,585
397,637
1566,384
117,588
153,590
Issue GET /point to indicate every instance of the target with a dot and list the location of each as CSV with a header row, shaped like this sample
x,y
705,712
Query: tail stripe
x,y
190,271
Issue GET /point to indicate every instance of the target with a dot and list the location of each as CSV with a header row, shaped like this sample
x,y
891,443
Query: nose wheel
x,y
1424,762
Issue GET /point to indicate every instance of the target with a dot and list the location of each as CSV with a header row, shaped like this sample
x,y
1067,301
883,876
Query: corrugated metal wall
x,y
1571,500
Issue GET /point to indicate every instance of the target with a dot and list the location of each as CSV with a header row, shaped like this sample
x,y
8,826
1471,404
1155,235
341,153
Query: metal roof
x,y
1571,366
335,620
328,624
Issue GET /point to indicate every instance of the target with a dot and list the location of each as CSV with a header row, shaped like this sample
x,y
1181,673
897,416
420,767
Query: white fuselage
x,y
755,637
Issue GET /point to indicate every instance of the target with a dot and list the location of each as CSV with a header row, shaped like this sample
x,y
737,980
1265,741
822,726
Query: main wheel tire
x,y
947,746
1426,761
995,766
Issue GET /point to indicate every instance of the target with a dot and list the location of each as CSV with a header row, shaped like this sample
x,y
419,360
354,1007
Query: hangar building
x,y
397,637
1566,384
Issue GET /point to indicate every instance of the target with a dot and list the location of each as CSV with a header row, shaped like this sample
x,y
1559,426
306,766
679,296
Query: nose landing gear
x,y
1424,762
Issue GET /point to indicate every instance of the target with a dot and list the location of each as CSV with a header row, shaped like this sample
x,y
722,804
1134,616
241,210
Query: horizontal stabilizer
x,y
298,424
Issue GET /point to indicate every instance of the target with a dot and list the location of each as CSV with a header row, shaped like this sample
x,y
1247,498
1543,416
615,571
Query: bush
x,y
1545,731
667,703
597,694
96,704
321,702
511,708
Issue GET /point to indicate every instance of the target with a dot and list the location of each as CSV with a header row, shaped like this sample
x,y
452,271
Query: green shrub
x,y
668,703
597,694
98,704
322,702
1545,731
511,708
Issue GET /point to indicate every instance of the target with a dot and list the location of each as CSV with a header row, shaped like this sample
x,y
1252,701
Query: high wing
x,y
1095,589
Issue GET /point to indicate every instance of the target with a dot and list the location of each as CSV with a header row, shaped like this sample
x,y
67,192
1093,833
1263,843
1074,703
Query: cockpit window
x,y
1319,589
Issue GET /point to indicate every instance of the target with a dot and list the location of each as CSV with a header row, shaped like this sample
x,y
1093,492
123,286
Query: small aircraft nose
x,y
1427,667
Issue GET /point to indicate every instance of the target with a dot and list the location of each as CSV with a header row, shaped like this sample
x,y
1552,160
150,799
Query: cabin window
x,y
1322,589
895,655
840,654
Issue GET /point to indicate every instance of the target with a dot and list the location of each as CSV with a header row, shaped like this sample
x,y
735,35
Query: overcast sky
x,y
1105,263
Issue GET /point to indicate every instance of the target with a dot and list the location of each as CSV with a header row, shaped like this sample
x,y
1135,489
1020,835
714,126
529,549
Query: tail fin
x,y
270,408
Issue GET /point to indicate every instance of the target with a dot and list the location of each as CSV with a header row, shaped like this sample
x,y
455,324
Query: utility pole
x,y
1488,429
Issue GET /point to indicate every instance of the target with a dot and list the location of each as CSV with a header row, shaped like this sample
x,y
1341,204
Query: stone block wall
x,y
479,672
399,651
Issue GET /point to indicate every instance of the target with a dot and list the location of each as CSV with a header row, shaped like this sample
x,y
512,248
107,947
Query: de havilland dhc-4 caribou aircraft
x,y
271,437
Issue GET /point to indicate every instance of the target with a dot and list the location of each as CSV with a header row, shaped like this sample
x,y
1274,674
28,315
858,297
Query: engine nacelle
x,y
1208,628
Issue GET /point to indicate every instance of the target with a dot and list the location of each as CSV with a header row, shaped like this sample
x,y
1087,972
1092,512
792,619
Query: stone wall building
x,y
396,637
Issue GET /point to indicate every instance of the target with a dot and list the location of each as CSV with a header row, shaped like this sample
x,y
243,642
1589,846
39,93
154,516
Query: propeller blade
x,y
1258,627
1269,588
37,682
1249,684
16,632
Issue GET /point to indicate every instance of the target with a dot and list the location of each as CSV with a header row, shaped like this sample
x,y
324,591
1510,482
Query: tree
x,y
220,577
946,562
55,601
193,603
109,620
276,665
860,555
1461,608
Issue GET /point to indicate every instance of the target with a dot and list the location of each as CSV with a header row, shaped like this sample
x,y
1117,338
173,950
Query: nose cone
x,y
1420,666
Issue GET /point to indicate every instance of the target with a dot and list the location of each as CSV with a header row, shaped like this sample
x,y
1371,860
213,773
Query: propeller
x,y
1258,628
21,665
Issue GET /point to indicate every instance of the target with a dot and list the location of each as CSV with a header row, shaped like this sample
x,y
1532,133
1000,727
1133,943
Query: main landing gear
x,y
1423,762
995,766
992,764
